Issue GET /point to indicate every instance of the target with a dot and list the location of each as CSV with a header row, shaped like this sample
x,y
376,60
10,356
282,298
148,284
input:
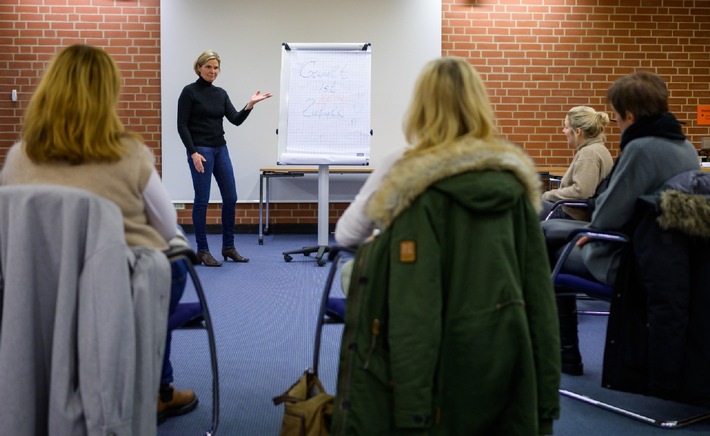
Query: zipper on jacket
x,y
373,342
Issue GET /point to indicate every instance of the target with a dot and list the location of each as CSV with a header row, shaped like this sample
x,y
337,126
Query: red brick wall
x,y
32,31
541,57
537,57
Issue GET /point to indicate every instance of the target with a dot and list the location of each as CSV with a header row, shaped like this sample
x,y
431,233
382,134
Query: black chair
x,y
196,315
566,283
569,203
572,284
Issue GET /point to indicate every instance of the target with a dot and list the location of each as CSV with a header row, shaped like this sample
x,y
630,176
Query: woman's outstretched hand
x,y
256,98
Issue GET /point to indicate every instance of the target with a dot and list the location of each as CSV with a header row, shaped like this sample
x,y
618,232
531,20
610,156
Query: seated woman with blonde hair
x,y
72,136
592,162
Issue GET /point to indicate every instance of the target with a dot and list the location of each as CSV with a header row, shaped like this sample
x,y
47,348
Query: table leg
x,y
261,208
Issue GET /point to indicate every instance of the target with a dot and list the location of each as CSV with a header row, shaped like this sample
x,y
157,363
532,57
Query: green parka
x,y
451,324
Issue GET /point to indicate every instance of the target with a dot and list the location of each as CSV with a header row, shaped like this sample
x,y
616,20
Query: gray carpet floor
x,y
264,314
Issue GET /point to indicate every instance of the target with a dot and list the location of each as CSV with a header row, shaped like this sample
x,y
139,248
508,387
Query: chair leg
x,y
212,346
567,315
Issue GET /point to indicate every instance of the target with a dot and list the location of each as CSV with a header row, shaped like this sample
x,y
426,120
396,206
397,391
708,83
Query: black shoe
x,y
205,258
569,340
572,360
233,254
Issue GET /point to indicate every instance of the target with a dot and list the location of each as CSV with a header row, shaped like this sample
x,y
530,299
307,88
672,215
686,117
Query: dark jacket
x,y
451,324
658,340
654,149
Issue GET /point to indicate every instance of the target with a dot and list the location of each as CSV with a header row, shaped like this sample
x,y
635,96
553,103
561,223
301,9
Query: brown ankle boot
x,y
175,403
204,257
233,254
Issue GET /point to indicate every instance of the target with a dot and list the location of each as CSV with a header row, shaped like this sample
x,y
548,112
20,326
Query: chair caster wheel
x,y
287,258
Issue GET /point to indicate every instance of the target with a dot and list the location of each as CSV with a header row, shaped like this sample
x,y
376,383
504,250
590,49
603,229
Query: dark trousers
x,y
177,288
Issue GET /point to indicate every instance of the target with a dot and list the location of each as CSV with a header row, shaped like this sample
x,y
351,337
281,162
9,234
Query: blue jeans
x,y
219,164
177,288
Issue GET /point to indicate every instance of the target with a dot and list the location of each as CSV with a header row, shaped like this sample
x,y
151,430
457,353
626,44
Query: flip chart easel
x,y
324,116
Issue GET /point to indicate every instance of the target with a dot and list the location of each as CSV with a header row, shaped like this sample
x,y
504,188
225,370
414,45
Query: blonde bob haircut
x,y
72,117
450,103
205,57
589,120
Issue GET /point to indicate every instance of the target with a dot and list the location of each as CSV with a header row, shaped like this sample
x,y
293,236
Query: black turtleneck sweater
x,y
201,108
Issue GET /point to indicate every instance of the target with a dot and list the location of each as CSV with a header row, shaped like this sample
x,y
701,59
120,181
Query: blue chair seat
x,y
335,309
579,284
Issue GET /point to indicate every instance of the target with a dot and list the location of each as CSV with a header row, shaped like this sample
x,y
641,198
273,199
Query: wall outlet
x,y
179,206
705,143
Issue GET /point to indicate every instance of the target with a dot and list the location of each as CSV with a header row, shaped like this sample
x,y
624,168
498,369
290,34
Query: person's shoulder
x,y
17,151
12,155
136,148
16,148
595,149
218,89
638,144
188,90
16,161
189,86
649,141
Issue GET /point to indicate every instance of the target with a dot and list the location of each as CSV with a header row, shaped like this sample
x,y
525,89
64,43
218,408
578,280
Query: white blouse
x,y
354,227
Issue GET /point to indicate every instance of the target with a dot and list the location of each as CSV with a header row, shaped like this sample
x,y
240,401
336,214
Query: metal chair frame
x,y
185,253
330,310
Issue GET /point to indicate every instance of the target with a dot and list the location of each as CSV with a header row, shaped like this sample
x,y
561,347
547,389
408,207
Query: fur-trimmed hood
x,y
412,174
688,213
684,204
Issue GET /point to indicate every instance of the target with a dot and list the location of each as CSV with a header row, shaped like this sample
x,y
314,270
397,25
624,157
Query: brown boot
x,y
232,253
204,257
175,403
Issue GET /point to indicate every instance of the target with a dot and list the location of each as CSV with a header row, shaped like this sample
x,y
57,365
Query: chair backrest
x,y
576,209
79,334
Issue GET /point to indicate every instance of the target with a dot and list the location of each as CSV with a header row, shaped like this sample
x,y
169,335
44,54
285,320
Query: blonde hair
x,y
72,115
450,103
589,120
205,57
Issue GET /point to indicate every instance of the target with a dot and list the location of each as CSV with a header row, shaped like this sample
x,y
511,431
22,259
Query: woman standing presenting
x,y
201,109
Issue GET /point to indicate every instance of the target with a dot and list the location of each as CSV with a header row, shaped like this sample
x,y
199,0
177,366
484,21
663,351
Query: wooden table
x,y
553,173
552,170
267,173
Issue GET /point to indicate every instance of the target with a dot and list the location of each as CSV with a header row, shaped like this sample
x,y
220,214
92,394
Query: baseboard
x,y
274,229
